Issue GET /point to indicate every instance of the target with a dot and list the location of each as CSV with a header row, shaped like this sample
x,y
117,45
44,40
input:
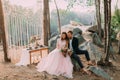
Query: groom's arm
x,y
75,44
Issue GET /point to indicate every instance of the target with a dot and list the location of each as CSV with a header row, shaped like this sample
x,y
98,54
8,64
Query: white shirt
x,y
71,48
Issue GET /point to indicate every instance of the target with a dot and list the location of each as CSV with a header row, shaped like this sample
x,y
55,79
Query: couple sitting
x,y
58,62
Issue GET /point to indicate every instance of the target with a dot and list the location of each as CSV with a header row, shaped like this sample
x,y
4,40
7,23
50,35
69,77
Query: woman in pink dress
x,y
56,63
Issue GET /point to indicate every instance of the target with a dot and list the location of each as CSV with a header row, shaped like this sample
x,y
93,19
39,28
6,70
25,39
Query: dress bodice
x,y
61,43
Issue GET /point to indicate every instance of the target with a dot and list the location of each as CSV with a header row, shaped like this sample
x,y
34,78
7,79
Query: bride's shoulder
x,y
58,39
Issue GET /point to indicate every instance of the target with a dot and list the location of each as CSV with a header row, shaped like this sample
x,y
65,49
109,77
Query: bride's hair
x,y
66,37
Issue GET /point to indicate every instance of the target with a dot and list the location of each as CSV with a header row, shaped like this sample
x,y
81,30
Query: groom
x,y
73,46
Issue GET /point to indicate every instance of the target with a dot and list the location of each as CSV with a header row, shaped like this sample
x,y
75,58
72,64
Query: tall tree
x,y
119,47
3,34
118,38
98,16
46,21
105,23
107,5
59,24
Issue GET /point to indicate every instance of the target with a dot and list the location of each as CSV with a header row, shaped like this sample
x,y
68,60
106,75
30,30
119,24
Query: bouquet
x,y
70,52
64,51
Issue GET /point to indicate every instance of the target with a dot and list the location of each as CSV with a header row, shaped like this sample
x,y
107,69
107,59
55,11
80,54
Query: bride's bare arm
x,y
57,44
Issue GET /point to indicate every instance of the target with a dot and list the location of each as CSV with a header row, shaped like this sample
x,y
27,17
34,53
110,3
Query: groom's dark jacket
x,y
75,45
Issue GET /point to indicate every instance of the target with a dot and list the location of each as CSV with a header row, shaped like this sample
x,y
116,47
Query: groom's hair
x,y
70,32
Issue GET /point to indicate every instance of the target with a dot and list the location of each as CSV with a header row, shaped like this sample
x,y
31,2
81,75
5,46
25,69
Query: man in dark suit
x,y
73,46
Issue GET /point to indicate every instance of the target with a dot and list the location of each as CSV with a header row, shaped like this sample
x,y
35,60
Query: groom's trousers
x,y
79,52
76,57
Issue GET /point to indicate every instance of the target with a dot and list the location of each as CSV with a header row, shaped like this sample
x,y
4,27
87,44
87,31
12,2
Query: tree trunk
x,y
59,25
46,22
118,38
98,16
105,24
119,47
3,34
48,19
108,30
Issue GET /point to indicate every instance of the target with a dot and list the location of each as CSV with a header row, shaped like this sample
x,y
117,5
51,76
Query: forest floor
x,y
8,71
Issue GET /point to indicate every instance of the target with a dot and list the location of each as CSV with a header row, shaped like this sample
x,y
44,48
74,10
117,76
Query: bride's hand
x,y
64,54
69,52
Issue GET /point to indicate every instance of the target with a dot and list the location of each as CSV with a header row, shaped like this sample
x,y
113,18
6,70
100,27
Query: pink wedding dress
x,y
55,63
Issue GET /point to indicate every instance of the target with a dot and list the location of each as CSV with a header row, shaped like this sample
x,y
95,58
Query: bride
x,y
57,62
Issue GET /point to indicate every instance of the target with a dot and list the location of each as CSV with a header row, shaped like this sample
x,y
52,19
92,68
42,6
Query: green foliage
x,y
115,23
90,2
71,3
